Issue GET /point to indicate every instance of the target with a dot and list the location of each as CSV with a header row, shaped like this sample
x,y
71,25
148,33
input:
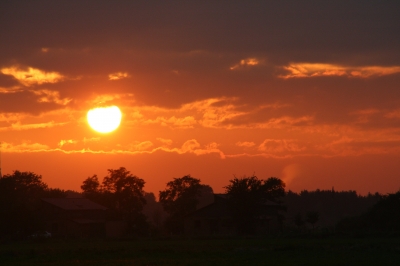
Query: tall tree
x,y
127,190
180,198
246,197
20,194
122,193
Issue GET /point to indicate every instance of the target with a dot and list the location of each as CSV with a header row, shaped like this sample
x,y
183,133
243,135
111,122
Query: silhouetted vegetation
x,y
20,194
181,197
247,197
331,206
382,218
123,194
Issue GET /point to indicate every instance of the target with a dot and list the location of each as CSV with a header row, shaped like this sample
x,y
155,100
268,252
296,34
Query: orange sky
x,y
305,92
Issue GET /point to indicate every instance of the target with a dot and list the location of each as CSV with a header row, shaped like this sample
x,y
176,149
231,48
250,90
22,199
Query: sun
x,y
104,119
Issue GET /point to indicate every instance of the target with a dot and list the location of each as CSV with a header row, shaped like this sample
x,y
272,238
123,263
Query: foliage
x,y
298,220
312,217
122,193
332,205
180,198
248,195
384,216
20,194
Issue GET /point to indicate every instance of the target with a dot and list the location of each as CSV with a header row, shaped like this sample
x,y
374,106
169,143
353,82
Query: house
x,y
74,217
216,219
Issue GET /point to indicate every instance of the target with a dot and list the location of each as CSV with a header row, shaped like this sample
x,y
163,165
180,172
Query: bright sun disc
x,y
104,119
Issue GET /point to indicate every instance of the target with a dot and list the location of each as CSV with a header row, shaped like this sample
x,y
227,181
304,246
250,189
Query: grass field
x,y
234,251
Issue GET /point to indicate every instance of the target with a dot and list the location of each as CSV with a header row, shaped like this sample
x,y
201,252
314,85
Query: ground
x,y
228,251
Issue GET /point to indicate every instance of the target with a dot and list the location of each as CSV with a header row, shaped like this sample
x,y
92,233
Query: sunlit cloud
x,y
110,98
11,117
284,122
32,76
165,141
184,122
145,147
24,147
141,146
19,126
66,141
280,145
94,139
118,75
248,62
10,90
49,96
246,144
307,70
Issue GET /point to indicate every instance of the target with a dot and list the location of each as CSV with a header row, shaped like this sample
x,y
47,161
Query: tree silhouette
x,y
91,185
246,197
180,198
122,193
298,220
312,217
20,194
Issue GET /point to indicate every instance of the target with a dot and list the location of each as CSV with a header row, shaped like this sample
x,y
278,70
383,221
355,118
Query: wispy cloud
x,y
248,62
48,96
246,144
191,146
307,70
32,76
24,147
66,141
141,146
10,90
280,145
118,75
165,141
19,126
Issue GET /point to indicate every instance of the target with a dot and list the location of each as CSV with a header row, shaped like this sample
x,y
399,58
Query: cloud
x,y
10,117
284,121
165,141
94,139
24,147
32,76
19,126
118,75
144,147
9,90
107,98
141,146
183,122
279,146
307,70
66,141
248,62
245,144
393,114
48,96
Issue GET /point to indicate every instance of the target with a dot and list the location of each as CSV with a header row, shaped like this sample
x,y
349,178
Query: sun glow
x,y
104,119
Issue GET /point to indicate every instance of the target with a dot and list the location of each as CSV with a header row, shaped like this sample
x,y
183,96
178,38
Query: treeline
x,y
124,195
329,206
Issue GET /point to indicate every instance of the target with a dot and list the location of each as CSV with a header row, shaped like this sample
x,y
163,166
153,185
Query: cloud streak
x,y
32,76
308,70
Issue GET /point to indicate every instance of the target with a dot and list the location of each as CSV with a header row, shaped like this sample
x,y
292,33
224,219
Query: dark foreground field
x,y
235,251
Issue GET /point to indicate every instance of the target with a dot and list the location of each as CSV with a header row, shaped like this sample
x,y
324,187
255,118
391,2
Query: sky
x,y
306,91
